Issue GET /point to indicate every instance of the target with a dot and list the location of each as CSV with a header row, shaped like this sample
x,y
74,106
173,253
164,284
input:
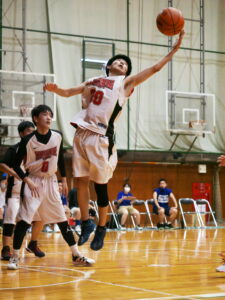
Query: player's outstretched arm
x,y
134,80
52,87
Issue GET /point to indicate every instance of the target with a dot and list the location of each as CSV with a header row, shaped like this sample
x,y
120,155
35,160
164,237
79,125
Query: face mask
x,y
3,186
126,189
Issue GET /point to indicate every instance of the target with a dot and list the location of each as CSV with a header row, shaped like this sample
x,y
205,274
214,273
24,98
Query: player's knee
x,y
102,194
8,229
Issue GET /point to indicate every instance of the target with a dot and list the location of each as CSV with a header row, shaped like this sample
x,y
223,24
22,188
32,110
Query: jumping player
x,y
42,152
13,199
94,153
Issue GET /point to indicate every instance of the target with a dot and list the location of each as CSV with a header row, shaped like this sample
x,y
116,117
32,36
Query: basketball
x,y
170,21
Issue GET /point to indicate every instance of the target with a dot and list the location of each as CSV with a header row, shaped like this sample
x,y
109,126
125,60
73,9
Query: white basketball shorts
x,y
11,210
91,156
48,207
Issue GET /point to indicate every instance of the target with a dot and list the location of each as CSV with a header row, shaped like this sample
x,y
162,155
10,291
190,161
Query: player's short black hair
x,y
37,110
120,56
24,125
162,179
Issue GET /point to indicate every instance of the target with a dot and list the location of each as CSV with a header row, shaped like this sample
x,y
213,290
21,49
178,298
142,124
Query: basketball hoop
x,y
25,110
198,125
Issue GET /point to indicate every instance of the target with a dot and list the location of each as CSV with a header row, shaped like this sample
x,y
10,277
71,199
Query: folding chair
x,y
113,214
142,213
188,201
147,203
210,212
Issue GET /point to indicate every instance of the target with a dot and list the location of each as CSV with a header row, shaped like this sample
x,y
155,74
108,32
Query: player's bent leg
x,y
87,226
32,247
77,258
19,234
103,203
83,196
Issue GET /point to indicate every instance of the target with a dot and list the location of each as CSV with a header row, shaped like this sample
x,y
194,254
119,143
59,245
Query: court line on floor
x,y
139,289
85,277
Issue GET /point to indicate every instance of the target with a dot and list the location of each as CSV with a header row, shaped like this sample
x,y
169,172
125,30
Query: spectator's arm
x,y
121,199
174,199
155,199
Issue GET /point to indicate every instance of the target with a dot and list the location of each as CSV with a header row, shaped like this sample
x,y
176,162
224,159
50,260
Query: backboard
x,y
190,113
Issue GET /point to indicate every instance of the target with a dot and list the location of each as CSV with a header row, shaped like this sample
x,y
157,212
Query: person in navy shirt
x,y
161,207
124,205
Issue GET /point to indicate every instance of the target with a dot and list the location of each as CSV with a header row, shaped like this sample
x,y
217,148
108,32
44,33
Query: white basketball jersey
x,y
42,159
103,99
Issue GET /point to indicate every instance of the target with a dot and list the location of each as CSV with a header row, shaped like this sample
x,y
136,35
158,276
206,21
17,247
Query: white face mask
x,y
126,189
3,186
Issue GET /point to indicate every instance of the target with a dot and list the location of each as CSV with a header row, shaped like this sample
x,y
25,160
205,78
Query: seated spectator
x,y
161,207
124,207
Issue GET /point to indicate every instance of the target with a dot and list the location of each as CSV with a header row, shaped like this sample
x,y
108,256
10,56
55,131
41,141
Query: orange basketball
x,y
170,21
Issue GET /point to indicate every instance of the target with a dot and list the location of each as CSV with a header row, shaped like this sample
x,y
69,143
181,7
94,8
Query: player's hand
x,y
221,160
32,186
64,186
177,44
50,87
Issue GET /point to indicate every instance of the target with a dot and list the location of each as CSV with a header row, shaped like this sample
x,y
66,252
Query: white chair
x,y
208,212
190,201
142,213
149,213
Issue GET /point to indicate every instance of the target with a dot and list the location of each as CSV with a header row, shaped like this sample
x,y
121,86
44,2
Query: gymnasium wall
x,y
107,19
144,178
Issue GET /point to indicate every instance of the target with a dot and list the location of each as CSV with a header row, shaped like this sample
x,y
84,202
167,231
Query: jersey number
x,y
44,167
96,97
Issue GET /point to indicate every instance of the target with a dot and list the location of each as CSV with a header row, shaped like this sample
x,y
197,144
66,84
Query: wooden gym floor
x,y
178,264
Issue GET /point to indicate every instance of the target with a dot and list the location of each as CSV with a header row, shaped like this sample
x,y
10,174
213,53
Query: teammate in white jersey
x,y
13,198
42,153
95,156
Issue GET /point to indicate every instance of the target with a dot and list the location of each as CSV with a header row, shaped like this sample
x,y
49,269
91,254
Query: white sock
x,y
75,250
16,253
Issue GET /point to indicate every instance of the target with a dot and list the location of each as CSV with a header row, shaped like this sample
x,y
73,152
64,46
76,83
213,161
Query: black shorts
x,y
166,207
